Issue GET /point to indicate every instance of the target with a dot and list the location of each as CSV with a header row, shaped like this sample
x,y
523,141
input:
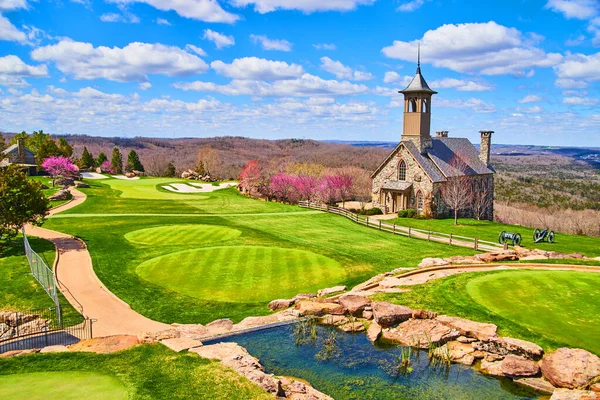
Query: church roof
x,y
456,157
418,84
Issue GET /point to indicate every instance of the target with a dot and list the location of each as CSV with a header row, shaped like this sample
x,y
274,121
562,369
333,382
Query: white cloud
x,y
13,70
571,84
461,85
144,85
580,9
324,46
271,44
220,40
530,110
342,71
202,10
305,86
115,17
575,41
579,67
476,105
253,68
162,21
10,32
531,98
393,76
130,63
581,101
410,6
7,5
486,48
195,49
307,6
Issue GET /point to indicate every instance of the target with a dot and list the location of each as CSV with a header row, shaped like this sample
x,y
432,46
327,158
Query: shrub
x,y
372,211
408,213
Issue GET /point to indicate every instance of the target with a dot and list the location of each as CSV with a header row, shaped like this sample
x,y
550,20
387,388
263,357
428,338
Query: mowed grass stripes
x,y
178,234
242,273
562,305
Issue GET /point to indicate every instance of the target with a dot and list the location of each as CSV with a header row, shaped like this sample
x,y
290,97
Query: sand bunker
x,y
199,187
93,175
126,178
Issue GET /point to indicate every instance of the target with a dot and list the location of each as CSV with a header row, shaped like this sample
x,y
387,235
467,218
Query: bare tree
x,y
482,197
456,191
157,165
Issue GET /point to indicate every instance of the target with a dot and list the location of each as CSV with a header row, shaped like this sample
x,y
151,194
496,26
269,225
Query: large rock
x,y
62,194
505,345
303,296
105,345
387,314
538,384
318,309
491,367
432,262
295,389
571,368
65,182
567,394
354,304
498,256
458,352
81,185
180,344
514,366
373,332
281,304
55,349
420,333
155,337
330,291
352,327
333,320
424,314
219,326
477,330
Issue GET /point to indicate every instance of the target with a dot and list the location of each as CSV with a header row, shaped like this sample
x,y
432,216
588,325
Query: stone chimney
x,y
485,146
441,134
20,150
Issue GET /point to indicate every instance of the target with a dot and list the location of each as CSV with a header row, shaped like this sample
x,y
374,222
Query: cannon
x,y
506,237
543,235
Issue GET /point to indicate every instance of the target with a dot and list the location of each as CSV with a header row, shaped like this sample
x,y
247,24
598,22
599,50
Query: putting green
x,y
562,305
182,234
242,274
147,189
72,385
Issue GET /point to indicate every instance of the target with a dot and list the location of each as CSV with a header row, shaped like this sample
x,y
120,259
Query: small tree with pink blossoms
x,y
59,166
344,185
306,187
283,187
327,190
107,167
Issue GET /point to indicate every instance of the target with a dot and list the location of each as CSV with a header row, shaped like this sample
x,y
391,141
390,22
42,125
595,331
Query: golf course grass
x,y
550,308
242,273
71,385
178,234
142,372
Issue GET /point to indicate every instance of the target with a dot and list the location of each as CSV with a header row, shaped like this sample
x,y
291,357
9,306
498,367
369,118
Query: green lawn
x,y
551,308
486,230
177,234
19,291
143,372
51,189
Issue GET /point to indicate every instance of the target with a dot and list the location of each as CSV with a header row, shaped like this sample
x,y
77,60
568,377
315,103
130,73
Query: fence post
x,y
379,224
476,244
428,236
450,241
409,231
367,221
394,228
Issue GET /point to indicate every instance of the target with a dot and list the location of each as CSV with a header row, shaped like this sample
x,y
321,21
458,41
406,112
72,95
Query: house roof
x,y
397,185
457,157
9,149
418,84
425,162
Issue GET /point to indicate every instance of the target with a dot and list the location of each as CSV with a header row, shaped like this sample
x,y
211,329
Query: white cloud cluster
x,y
476,105
115,17
133,62
577,70
220,40
324,46
253,68
580,9
410,6
13,71
202,10
342,71
461,85
8,31
307,6
163,21
393,76
581,101
531,98
486,48
271,44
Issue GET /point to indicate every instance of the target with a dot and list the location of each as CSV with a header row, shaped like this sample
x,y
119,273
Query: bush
x,y
408,213
372,211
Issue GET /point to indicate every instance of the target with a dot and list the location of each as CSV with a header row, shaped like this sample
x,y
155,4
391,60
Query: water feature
x,y
348,366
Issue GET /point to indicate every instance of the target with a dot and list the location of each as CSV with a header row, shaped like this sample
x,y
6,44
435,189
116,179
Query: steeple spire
x,y
419,56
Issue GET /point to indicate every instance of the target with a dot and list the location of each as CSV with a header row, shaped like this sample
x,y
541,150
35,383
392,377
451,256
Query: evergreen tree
x,y
133,162
65,148
200,168
116,161
171,170
87,159
101,159
2,143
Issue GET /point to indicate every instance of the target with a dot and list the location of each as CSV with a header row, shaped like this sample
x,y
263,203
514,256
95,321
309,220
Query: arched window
x,y
402,171
419,201
413,105
425,106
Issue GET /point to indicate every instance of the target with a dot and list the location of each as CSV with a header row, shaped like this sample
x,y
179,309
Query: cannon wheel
x,y
536,234
501,238
551,237
518,239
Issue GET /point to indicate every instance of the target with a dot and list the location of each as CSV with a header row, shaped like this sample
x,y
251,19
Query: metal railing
x,y
395,229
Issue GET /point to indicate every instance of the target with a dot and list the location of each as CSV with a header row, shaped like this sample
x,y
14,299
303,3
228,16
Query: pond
x,y
352,368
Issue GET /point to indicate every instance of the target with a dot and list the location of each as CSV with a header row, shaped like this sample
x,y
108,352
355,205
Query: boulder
x,y
297,390
464,339
62,194
330,291
354,326
595,387
514,366
303,296
424,314
281,304
420,333
373,332
505,345
155,337
477,330
251,322
15,353
55,349
81,185
570,368
65,182
354,304
459,352
387,314
497,256
318,309
432,262
367,314
538,384
105,345
463,260
37,325
180,344
567,394
491,367
333,320
370,283
219,326
192,331
44,187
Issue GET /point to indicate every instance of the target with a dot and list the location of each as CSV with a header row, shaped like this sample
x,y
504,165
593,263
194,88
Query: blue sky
x,y
320,69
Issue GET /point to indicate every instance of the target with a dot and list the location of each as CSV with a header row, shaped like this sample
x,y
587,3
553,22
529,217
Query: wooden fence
x,y
432,236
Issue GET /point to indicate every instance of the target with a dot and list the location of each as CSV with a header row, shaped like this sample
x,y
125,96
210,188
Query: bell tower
x,y
417,110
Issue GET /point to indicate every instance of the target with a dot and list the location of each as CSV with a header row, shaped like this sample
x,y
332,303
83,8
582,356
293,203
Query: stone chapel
x,y
413,174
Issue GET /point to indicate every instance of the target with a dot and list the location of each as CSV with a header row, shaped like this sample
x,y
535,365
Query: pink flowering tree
x,y
327,190
283,187
59,166
305,187
107,167
344,185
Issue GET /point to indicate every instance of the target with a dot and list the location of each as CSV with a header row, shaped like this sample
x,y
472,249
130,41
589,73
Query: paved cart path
x,y
80,285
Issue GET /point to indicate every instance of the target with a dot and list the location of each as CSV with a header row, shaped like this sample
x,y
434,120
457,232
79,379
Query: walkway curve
x,y
81,287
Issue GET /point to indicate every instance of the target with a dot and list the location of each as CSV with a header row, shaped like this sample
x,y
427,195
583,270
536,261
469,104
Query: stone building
x,y
412,176
20,155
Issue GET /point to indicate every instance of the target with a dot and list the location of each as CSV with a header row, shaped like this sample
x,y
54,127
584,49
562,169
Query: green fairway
x,y
51,189
551,308
143,372
242,273
486,230
178,234
147,189
61,385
